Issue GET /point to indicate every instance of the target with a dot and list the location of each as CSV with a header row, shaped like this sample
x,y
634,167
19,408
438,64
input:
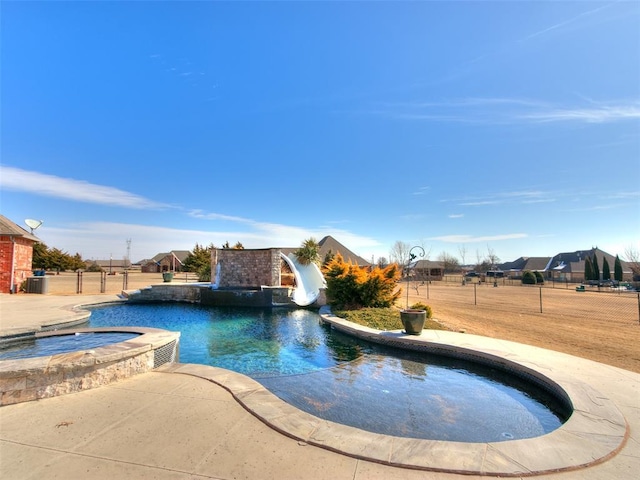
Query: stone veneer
x,y
246,268
23,380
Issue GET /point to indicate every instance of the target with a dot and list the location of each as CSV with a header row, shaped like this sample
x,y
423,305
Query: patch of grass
x,y
381,318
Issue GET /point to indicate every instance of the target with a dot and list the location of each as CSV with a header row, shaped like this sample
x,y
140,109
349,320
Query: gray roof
x,y
526,263
7,227
181,255
424,264
568,262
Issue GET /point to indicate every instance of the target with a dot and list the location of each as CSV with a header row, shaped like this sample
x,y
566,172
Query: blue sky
x,y
512,126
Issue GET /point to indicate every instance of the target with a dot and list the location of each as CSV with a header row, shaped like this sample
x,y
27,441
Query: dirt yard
x,y
601,326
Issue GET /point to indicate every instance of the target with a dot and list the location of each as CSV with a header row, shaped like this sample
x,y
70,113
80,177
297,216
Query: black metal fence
x,y
620,303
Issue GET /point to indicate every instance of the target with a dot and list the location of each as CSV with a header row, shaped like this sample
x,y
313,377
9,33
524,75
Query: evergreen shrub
x,y
350,286
528,278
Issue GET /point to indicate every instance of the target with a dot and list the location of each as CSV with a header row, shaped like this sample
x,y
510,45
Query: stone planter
x,y
413,320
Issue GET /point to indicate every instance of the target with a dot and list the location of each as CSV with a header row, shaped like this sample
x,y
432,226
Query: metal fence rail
x,y
509,295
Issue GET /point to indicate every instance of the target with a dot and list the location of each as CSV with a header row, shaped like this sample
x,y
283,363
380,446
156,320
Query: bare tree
x,y
462,250
632,258
400,253
492,258
478,260
449,262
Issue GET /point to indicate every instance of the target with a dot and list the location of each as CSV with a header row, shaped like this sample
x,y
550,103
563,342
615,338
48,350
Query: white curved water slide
x,y
309,280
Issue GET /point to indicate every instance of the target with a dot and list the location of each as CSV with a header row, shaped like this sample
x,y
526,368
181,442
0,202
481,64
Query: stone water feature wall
x,y
250,269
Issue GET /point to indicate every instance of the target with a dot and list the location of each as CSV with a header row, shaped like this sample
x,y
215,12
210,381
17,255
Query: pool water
x,y
256,342
350,381
45,346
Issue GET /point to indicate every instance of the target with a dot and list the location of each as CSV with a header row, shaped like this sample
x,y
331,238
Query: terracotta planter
x,y
413,321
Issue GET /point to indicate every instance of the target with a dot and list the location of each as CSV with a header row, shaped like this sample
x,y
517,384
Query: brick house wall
x,y
16,252
246,268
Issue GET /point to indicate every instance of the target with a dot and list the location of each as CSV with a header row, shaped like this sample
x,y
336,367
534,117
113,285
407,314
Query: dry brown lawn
x,y
601,326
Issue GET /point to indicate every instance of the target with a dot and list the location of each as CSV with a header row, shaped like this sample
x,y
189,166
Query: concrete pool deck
x,y
176,423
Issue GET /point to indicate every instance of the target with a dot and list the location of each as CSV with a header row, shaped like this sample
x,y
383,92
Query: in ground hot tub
x,y
47,364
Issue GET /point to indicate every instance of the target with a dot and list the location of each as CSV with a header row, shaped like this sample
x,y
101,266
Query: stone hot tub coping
x,y
23,380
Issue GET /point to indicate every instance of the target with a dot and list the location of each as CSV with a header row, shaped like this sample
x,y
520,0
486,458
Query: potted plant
x,y
413,318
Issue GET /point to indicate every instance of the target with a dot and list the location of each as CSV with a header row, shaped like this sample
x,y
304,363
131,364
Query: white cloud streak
x,y
507,197
603,114
472,239
560,25
16,179
98,240
509,110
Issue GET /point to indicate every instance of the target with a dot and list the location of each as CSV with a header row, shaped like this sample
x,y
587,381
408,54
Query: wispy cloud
x,y
493,110
99,239
217,216
622,195
472,239
602,114
504,198
456,215
480,203
422,191
16,179
601,207
567,22
267,234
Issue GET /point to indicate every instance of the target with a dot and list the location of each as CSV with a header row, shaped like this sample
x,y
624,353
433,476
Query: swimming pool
x,y
349,381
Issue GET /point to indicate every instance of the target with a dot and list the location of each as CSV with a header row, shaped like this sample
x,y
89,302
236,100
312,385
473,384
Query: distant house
x,y
428,270
563,267
16,255
569,266
165,262
517,267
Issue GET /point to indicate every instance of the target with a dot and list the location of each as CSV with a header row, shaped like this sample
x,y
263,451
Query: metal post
x,y
125,280
475,296
103,282
79,282
540,299
411,258
428,281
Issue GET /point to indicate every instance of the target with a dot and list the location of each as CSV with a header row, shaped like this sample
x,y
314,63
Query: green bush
x,y
539,277
422,306
204,273
528,278
94,267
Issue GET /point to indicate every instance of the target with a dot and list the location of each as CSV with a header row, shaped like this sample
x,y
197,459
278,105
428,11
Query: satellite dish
x,y
33,224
